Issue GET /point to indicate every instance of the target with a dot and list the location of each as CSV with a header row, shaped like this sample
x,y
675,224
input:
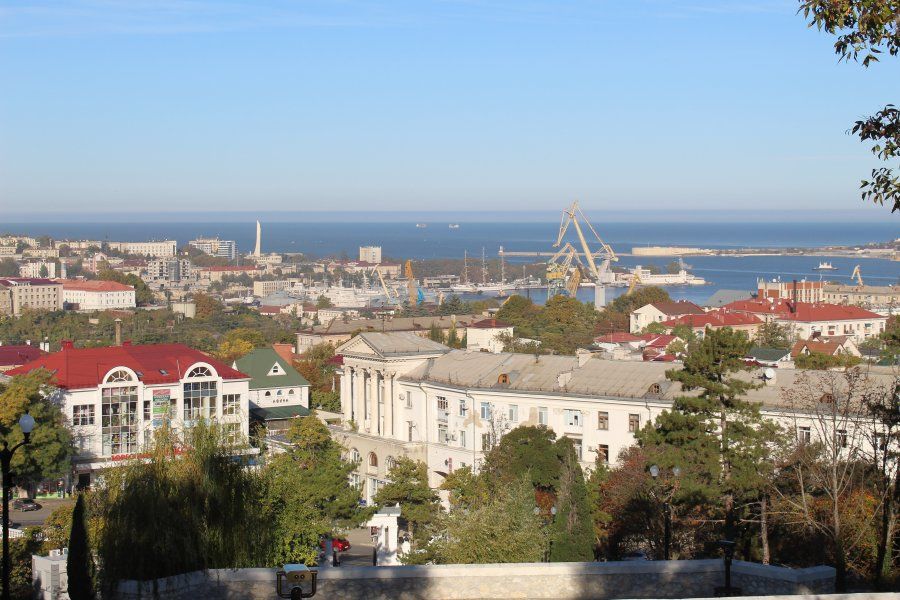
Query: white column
x,y
359,391
379,402
346,397
389,406
372,403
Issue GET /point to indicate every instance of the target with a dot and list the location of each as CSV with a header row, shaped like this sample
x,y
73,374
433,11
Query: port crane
x,y
392,297
414,294
565,269
857,275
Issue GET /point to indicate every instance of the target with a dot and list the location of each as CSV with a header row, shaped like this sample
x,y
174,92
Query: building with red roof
x,y
717,319
114,397
811,319
657,312
91,295
17,355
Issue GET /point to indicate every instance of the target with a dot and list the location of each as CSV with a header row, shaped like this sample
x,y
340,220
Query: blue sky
x,y
221,105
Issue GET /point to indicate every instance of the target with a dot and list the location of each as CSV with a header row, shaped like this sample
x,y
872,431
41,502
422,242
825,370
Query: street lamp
x,y
667,511
26,422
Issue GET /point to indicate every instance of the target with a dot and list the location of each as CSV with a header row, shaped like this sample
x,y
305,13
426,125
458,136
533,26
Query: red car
x,y
339,544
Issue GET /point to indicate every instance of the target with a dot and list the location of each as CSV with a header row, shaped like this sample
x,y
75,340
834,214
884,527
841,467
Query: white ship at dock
x,y
645,277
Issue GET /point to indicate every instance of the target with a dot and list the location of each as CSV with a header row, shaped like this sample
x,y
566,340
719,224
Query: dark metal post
x,y
668,531
5,456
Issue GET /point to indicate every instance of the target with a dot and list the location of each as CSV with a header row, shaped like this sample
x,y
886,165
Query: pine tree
x,y
572,531
408,487
715,437
78,563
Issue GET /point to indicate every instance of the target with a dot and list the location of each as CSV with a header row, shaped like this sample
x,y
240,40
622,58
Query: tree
x,y
309,492
867,29
638,298
824,470
143,295
408,487
566,324
78,561
819,361
572,530
435,334
715,437
206,306
43,272
521,313
774,335
526,449
505,529
9,268
323,302
47,456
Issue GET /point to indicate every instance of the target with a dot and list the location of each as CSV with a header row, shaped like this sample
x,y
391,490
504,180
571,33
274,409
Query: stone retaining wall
x,y
644,579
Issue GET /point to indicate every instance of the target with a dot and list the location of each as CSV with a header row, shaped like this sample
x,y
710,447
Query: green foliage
x,y
774,335
819,361
867,29
79,567
20,552
521,313
328,401
47,456
9,268
655,327
309,493
435,334
466,488
143,295
638,298
562,325
572,530
505,529
408,487
526,449
323,302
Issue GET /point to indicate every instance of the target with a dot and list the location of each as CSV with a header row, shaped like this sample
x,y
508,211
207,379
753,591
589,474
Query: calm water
x,y
404,240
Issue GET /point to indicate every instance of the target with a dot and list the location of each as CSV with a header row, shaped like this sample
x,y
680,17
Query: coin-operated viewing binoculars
x,y
292,579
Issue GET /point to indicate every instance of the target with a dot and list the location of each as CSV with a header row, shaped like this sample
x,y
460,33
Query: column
x,y
372,415
379,402
389,406
346,394
359,401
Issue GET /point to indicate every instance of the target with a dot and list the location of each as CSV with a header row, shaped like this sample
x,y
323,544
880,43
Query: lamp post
x,y
667,512
26,422
728,550
537,511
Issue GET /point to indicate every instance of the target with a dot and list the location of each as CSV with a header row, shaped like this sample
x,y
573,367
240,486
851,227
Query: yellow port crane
x,y
857,275
565,269
391,297
606,254
635,279
411,288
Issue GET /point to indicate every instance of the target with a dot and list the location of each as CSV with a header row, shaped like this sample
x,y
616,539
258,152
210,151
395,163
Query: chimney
x,y
118,332
66,344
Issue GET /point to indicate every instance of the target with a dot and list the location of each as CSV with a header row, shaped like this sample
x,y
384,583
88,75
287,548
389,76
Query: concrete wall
x,y
644,579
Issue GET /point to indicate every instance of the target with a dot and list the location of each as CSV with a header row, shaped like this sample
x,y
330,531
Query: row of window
x,y
572,417
119,408
804,436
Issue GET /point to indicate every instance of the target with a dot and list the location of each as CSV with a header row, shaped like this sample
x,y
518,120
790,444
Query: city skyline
x,y
403,106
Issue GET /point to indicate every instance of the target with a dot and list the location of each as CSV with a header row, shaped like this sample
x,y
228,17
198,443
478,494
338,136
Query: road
x,y
20,520
360,552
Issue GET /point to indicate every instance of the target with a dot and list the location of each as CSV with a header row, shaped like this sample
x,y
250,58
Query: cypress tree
x,y
572,531
78,562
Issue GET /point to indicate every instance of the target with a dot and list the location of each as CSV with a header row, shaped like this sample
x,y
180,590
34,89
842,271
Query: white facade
x,y
169,270
643,316
487,338
159,249
33,269
100,299
370,254
216,247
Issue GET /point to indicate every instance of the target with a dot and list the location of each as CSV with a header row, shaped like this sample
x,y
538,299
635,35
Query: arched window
x,y
268,394
290,392
503,378
655,389
279,392
390,462
199,372
120,375
373,459
354,455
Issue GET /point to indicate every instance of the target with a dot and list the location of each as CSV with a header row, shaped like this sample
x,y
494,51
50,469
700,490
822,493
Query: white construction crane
x,y
605,253
857,275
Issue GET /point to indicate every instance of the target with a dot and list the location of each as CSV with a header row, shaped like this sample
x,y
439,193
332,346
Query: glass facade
x,y
199,400
119,420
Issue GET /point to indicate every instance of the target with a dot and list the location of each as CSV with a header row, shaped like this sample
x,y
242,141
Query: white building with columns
x,y
403,395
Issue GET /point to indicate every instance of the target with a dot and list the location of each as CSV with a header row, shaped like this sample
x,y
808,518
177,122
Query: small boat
x,y
421,225
825,266
454,226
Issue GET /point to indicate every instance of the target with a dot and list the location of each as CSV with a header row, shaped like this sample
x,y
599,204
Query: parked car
x,y
636,555
25,504
339,544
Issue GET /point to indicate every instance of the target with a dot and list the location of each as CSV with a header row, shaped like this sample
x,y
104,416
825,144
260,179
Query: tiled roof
x,y
830,346
803,311
723,297
88,285
618,337
18,355
490,324
11,281
400,343
156,363
682,307
714,319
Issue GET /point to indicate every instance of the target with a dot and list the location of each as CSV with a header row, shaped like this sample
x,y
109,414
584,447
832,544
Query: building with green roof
x,y
278,392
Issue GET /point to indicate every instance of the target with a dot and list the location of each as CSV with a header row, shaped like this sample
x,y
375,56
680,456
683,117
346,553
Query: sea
x,y
404,240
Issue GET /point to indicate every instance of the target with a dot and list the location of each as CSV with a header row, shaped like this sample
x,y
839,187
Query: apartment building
x,y
216,247
91,295
159,249
17,293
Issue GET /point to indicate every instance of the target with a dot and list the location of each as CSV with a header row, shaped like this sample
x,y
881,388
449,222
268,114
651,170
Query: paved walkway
x,y
20,519
360,552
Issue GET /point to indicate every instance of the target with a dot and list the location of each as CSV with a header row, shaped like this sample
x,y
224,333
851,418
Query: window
x,y
572,417
842,438
804,435
603,453
390,462
485,441
543,417
443,409
486,411
83,414
268,394
408,399
120,375
118,427
577,444
354,456
232,432
409,430
146,410
199,399
463,408
634,423
462,438
231,404
291,392
199,372
443,434
603,420
514,413
373,459
354,480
